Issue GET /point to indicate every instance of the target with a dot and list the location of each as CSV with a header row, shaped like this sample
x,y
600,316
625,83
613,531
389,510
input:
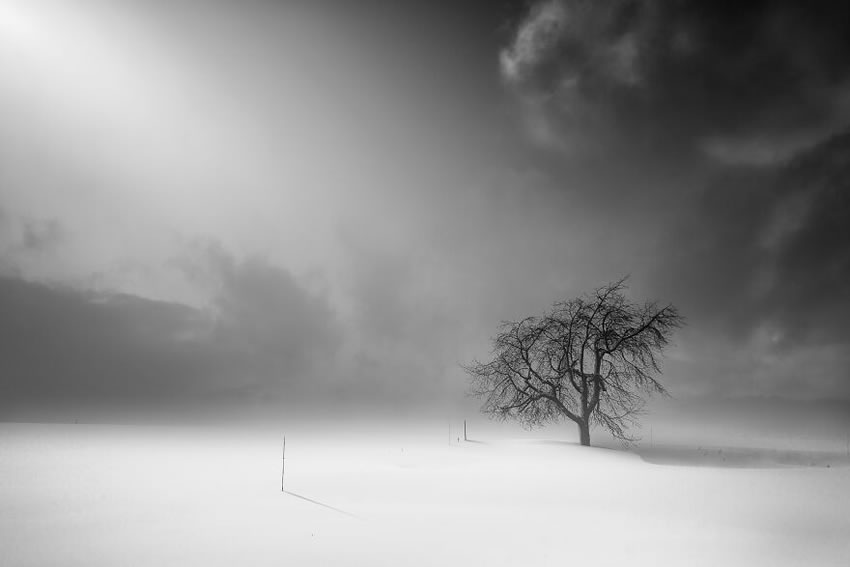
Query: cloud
x,y
534,40
64,344
42,235
718,133
263,336
266,337
29,236
752,80
761,266
287,335
26,242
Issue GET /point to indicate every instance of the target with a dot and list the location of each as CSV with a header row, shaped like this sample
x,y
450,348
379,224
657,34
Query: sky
x,y
333,204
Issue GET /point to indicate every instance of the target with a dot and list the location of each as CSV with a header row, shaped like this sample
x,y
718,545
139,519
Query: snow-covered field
x,y
91,495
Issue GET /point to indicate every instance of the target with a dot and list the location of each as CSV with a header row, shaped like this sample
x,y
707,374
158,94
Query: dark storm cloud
x,y
714,131
61,344
761,266
286,335
265,337
742,81
773,247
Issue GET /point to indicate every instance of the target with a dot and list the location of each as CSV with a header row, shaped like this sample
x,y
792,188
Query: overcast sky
x,y
333,202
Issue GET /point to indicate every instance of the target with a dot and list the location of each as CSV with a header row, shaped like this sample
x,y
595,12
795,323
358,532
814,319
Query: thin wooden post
x,y
464,430
283,463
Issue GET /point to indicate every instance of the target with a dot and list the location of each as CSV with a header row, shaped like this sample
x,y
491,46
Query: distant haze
x,y
330,204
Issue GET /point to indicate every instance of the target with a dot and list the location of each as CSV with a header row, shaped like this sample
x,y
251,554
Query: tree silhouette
x,y
592,359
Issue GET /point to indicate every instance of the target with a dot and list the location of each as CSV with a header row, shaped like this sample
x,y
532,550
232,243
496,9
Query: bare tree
x,y
592,359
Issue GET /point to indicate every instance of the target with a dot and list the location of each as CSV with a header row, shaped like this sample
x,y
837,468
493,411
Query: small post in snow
x,y
464,430
283,463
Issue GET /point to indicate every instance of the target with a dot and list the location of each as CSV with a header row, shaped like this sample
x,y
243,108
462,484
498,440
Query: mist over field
x,y
226,223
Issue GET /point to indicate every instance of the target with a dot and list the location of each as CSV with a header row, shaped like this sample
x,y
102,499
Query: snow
x,y
92,495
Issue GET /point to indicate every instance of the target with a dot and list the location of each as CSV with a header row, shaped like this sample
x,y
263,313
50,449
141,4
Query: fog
x,y
315,205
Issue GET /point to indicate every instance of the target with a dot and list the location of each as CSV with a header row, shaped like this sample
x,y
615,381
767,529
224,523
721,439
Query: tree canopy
x,y
592,359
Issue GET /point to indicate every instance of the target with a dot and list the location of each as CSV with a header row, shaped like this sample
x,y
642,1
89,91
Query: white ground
x,y
97,495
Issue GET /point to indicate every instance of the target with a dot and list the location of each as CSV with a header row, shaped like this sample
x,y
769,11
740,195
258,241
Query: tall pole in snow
x,y
464,430
283,463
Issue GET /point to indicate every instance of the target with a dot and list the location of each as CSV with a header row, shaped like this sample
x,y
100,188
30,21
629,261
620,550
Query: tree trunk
x,y
584,432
